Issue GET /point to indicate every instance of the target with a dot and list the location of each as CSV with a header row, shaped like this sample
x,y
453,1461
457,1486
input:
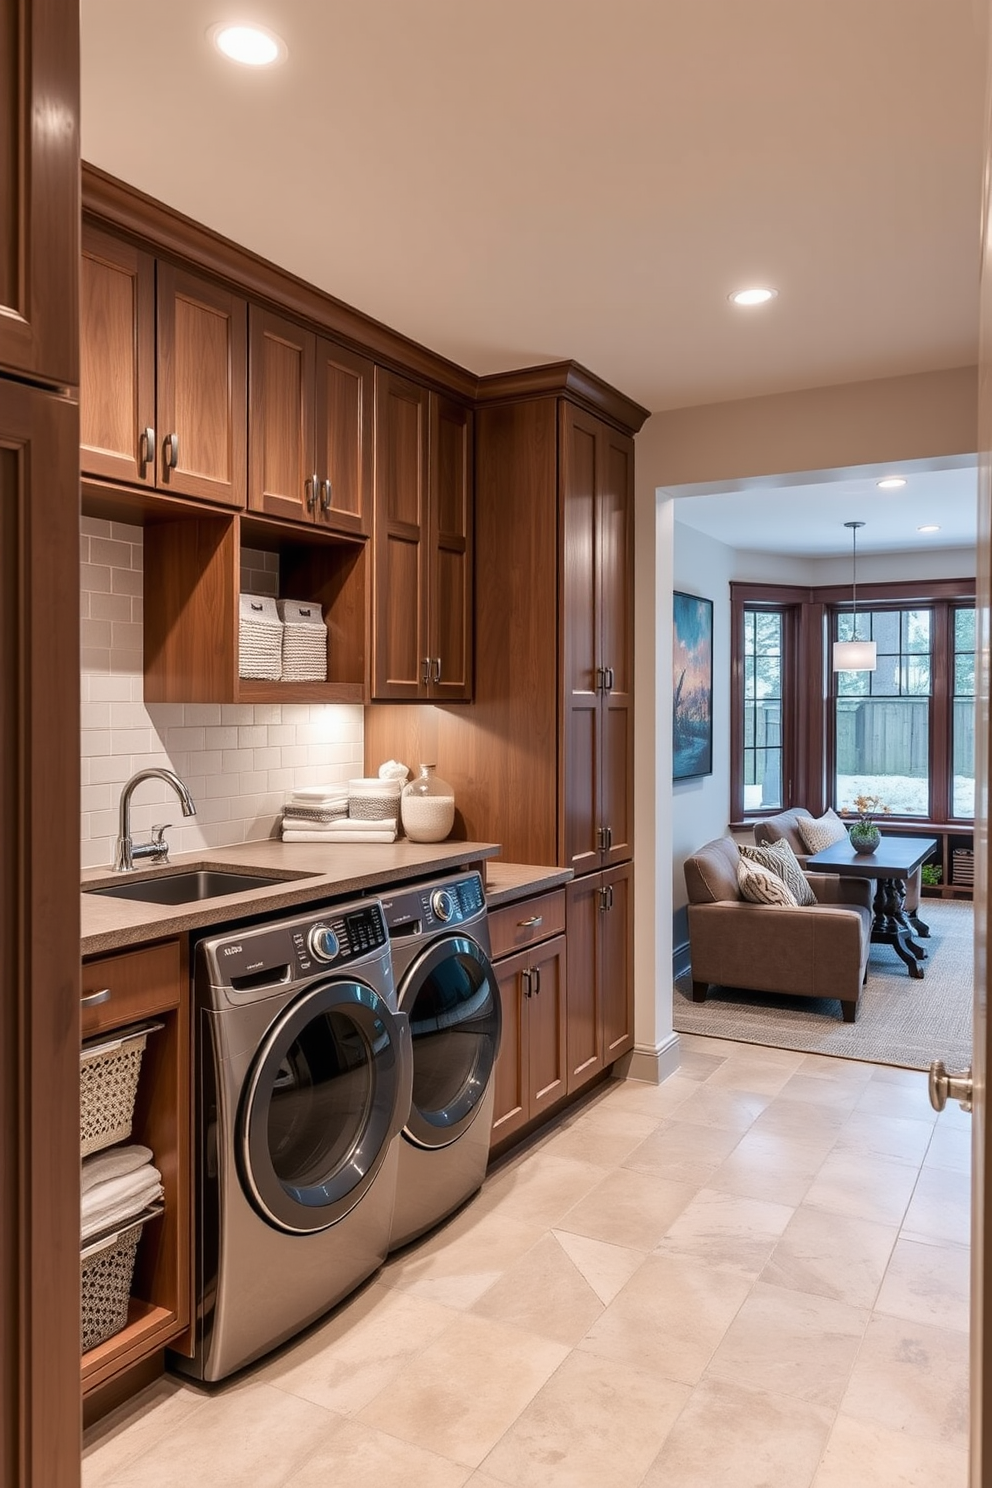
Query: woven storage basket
x,y
304,641
259,638
106,1270
108,1084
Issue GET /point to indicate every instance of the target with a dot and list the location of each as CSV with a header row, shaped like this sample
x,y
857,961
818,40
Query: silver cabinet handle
x,y
608,679
604,899
536,974
172,451
146,452
436,671
91,999
310,491
526,980
326,495
531,923
426,671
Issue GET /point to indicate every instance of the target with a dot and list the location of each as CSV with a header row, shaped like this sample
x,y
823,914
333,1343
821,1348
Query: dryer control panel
x,y
440,905
266,956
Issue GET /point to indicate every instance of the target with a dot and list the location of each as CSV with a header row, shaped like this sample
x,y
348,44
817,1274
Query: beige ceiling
x,y
520,181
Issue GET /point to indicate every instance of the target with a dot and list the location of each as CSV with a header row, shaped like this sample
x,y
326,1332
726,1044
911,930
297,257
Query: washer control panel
x,y
267,956
431,907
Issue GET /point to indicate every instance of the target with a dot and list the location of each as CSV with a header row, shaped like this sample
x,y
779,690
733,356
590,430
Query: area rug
x,y
900,1020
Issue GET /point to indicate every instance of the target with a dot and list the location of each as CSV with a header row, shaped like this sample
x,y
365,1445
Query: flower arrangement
x,y
868,807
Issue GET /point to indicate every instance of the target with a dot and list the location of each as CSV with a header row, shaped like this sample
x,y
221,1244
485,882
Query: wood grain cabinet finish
x,y
422,605
148,983
164,380
39,191
310,427
599,922
531,1072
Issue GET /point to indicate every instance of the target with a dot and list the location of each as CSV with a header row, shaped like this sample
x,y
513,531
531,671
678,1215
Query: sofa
x,y
819,951
786,824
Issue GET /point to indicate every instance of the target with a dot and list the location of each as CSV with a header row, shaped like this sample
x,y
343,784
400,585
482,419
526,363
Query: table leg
x,y
891,927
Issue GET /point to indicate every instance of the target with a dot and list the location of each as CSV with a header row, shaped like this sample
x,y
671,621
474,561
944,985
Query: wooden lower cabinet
x,y
531,1073
600,929
150,984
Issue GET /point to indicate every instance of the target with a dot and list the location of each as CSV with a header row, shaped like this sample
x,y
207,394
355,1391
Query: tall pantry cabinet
x,y
542,761
39,757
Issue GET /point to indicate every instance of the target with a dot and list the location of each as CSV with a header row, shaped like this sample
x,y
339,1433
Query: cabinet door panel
x,y
39,190
580,641
344,422
583,915
615,578
280,440
545,1025
202,389
617,963
510,1103
450,547
399,637
117,359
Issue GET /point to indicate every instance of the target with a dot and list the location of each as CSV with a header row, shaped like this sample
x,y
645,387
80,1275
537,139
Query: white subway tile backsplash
x,y
239,760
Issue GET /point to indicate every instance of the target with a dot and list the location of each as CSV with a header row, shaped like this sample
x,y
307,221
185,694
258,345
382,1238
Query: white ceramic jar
x,y
427,807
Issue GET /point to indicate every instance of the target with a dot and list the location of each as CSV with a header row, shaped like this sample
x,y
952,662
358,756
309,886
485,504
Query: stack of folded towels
x,y
319,813
117,1184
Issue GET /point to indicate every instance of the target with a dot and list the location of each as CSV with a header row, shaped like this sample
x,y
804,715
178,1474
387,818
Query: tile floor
x,y
755,1274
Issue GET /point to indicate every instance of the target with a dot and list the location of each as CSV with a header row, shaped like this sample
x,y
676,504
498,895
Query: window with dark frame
x,y
963,713
763,694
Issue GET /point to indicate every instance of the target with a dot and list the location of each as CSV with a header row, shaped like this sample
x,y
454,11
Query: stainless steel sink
x,y
187,888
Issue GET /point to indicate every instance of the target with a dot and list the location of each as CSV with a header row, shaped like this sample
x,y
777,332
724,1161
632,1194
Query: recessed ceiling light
x,y
891,483
253,46
931,528
755,296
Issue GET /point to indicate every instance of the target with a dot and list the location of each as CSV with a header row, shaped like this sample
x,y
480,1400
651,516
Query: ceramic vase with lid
x,y
427,807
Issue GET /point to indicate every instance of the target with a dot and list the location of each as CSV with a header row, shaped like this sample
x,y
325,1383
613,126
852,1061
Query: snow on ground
x,y
903,795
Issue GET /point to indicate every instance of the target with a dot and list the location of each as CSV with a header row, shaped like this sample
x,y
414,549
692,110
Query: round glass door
x,y
451,997
319,1106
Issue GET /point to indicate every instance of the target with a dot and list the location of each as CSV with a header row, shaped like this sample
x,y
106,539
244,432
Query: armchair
x,y
819,951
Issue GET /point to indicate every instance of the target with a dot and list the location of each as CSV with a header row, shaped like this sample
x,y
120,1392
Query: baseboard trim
x,y
654,1065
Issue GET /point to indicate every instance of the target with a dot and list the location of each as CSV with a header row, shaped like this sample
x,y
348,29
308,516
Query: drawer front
x,y
513,927
140,983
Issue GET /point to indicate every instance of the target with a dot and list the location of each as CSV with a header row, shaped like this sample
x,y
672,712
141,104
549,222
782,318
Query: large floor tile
x,y
605,1137
730,1436
545,1293
345,1362
941,1207
867,1134
466,1389
655,1100
137,1427
460,1261
769,1164
607,1268
358,1456
801,1119
595,1422
732,1110
832,1255
950,1147
629,1209
758,1074
726,1230
247,1433
669,1318
820,1090
544,1187
875,1188
861,1452
791,1343
826,1067
913,1378
885,1098
682,1151
928,1282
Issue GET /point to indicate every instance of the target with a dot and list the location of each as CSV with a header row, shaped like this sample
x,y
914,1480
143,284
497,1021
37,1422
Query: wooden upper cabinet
x,y
310,427
596,475
117,356
163,380
39,191
450,550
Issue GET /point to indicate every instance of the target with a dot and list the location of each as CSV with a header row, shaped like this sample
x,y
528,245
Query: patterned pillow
x,y
780,859
822,832
761,886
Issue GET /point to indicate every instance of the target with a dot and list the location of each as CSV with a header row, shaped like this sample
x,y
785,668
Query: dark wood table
x,y
894,860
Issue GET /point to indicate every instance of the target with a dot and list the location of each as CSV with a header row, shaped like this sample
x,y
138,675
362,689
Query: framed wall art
x,y
692,683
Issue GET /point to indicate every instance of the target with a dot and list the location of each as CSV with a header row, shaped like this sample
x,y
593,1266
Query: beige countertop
x,y
310,872
507,882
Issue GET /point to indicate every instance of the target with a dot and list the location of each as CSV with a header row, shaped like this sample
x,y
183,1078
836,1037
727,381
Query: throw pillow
x,y
780,859
761,886
822,831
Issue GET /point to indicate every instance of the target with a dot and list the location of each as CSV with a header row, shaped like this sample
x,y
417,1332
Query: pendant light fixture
x,y
854,655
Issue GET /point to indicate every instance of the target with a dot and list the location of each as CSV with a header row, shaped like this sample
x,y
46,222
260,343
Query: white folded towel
x,y
346,836
118,1199
113,1162
119,1214
317,795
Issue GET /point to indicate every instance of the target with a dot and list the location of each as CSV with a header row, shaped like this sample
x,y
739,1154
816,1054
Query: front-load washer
x,y
446,986
303,1071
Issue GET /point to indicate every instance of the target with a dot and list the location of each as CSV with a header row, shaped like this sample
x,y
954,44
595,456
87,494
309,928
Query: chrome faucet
x,y
158,848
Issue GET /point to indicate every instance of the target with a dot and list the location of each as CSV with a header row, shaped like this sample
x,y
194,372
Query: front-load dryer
x,y
303,1068
446,986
